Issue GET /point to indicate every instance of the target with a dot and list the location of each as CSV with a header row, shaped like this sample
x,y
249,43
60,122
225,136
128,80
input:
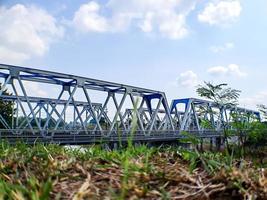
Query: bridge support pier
x,y
200,145
211,144
218,143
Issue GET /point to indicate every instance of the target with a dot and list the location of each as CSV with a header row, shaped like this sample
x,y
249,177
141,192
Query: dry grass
x,y
54,172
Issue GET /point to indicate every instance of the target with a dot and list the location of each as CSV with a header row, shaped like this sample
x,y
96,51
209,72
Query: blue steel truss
x,y
119,109
195,111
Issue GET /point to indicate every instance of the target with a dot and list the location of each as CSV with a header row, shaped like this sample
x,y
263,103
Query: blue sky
x,y
168,45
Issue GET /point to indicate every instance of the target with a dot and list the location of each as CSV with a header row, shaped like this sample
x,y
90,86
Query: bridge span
x,y
56,107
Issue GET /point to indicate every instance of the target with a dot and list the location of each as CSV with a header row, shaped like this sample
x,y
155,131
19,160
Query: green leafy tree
x,y
6,109
205,123
258,134
242,127
222,96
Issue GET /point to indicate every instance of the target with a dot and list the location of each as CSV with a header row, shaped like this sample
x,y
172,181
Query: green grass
x,y
57,172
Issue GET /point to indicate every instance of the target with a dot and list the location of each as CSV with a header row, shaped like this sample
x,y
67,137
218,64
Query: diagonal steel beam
x,y
78,113
28,102
52,111
103,111
154,115
65,107
117,113
21,106
120,116
91,109
134,103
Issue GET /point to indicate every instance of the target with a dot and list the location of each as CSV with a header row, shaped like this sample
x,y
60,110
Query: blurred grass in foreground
x,y
56,172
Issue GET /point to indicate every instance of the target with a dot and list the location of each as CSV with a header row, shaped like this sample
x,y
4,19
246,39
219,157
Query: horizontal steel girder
x,y
46,117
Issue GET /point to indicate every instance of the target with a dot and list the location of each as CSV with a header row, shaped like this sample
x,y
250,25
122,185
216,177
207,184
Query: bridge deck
x,y
83,138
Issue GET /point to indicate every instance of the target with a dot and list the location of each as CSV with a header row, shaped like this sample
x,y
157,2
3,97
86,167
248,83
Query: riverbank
x,y
57,172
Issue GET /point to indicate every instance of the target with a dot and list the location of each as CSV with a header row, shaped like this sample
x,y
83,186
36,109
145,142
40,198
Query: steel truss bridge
x,y
67,109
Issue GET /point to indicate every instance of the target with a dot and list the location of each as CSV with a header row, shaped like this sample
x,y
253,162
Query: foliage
x,y
253,131
206,124
242,127
258,133
211,162
220,94
22,121
6,109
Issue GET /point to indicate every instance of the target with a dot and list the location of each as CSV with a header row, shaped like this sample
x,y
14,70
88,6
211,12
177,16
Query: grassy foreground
x,y
57,172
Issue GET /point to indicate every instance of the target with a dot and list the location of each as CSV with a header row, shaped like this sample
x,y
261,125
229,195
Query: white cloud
x,y
221,12
26,31
254,100
168,18
222,48
230,70
88,18
35,89
188,79
218,70
8,55
234,69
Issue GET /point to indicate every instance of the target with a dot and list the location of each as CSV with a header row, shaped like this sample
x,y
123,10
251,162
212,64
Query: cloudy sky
x,y
168,45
